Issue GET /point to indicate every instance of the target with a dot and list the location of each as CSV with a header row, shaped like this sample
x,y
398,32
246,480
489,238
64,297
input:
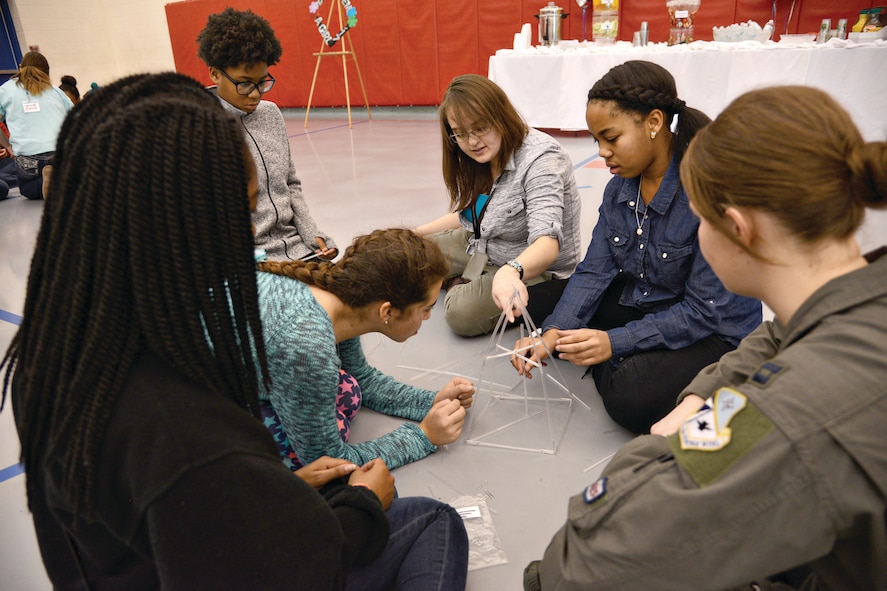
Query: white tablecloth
x,y
549,85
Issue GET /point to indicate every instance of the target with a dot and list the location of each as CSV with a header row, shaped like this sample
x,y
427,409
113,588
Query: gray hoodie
x,y
284,226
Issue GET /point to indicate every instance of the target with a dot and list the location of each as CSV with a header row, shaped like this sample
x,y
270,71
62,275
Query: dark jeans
x,y
8,176
642,388
427,550
32,189
32,186
544,297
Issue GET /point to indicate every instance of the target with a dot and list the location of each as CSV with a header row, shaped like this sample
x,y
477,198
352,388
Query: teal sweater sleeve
x,y
304,362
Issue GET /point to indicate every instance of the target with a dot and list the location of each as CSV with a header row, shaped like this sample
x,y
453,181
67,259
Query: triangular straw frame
x,y
496,394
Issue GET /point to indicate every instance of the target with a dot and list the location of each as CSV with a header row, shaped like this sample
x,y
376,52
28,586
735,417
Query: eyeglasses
x,y
247,88
478,132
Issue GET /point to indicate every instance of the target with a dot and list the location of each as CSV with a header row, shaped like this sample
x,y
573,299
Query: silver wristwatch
x,y
516,264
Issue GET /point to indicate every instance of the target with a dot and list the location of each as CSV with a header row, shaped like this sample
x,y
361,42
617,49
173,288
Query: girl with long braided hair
x,y
314,314
33,110
644,309
134,376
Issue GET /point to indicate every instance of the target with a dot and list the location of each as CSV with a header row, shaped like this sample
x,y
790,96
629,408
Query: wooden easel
x,y
345,52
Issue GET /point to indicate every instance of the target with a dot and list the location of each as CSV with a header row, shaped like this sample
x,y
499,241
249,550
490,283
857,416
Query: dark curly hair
x,y
234,37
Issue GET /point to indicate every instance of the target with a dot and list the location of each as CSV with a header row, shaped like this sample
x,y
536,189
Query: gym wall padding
x,y
409,50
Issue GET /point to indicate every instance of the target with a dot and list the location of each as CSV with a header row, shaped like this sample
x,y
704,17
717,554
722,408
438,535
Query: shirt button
x,y
631,203
642,275
665,255
641,246
646,293
616,239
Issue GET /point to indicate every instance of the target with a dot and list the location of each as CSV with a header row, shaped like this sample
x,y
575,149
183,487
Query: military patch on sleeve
x,y
595,490
720,434
708,429
766,373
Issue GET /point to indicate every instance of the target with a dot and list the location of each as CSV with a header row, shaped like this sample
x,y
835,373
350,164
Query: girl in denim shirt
x,y
644,310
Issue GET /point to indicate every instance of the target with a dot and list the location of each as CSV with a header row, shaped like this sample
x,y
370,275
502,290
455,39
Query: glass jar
x,y
681,13
605,22
874,23
863,19
604,27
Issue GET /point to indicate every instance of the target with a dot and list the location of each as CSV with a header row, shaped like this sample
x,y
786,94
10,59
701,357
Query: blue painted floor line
x,y
586,161
10,317
11,472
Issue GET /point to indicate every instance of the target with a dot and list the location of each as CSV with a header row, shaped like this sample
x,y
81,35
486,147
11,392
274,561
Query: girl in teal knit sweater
x,y
313,315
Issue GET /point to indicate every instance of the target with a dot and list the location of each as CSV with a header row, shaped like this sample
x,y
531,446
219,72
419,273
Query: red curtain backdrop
x,y
409,50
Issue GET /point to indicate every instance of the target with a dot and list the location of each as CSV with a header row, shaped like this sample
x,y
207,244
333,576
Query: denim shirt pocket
x,y
618,247
671,266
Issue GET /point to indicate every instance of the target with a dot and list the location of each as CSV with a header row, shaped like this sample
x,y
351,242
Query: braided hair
x,y
395,265
639,87
149,173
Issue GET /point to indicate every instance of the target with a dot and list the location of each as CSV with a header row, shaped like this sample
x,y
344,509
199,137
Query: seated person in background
x,y
783,468
643,309
313,315
238,47
34,110
514,221
69,87
135,371
8,176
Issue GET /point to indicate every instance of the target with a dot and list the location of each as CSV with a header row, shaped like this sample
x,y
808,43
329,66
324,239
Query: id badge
x,y
475,267
31,106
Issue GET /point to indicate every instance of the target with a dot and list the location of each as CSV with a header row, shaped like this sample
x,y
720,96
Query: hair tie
x,y
678,105
674,124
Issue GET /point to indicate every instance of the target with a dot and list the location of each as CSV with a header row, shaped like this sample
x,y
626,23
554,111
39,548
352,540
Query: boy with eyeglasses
x,y
239,46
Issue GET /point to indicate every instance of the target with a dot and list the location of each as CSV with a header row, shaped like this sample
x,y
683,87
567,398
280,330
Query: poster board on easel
x,y
347,51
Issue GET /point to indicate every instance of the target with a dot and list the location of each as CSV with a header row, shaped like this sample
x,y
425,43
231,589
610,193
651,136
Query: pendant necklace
x,y
640,221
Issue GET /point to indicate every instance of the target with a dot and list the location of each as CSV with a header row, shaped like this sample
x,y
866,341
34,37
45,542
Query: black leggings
x,y
643,387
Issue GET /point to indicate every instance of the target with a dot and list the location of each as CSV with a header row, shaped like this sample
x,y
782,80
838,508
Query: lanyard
x,y
475,215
